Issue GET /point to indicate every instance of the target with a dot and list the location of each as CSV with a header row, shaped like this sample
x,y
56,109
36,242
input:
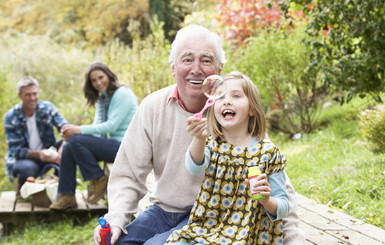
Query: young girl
x,y
224,212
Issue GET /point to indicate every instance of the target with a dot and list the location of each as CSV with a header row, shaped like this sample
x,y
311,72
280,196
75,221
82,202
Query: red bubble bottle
x,y
105,231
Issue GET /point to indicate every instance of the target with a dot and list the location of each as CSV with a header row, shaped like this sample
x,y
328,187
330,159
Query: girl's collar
x,y
253,142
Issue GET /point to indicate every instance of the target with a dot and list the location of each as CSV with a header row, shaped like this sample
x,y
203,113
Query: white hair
x,y
195,30
25,82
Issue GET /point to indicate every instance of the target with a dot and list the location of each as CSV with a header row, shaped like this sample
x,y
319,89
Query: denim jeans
x,y
153,227
84,151
24,168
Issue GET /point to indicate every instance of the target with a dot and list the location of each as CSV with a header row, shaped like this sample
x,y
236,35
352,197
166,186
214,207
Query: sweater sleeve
x,y
194,168
292,234
127,181
278,191
119,108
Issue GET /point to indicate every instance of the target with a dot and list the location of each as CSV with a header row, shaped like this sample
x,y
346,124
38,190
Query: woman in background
x,y
86,145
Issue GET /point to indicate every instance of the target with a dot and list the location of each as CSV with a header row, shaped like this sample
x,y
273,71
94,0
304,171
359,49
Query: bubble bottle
x,y
105,231
254,172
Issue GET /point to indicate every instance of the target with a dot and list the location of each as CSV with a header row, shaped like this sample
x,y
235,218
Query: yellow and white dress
x,y
224,212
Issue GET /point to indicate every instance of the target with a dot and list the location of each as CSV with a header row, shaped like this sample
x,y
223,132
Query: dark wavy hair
x,y
91,94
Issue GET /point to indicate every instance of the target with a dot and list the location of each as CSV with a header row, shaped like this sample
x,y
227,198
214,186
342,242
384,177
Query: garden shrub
x,y
372,122
143,65
7,99
58,68
291,94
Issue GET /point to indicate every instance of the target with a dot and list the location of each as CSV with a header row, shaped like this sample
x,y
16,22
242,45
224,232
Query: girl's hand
x,y
262,187
197,127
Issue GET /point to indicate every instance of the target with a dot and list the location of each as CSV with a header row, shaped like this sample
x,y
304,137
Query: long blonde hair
x,y
257,121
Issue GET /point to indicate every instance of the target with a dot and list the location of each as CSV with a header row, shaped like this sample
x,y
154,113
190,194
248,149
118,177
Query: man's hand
x,y
49,155
44,156
115,234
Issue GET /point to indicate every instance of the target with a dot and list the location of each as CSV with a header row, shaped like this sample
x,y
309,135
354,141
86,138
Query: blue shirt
x,y
114,117
16,131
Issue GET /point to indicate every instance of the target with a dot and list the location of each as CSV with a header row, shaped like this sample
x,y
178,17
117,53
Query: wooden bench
x,y
14,212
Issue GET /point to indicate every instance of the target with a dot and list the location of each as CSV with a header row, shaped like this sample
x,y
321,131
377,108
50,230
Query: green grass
x,y
331,166
64,232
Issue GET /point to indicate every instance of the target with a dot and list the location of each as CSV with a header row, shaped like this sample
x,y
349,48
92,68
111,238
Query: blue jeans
x,y
153,227
24,168
84,151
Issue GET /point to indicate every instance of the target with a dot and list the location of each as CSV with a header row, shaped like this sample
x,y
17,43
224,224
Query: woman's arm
x,y
69,129
123,103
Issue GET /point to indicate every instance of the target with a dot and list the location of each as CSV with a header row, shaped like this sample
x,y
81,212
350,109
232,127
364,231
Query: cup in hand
x,y
52,152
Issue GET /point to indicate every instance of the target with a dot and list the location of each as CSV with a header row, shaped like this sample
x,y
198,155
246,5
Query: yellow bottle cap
x,y
254,170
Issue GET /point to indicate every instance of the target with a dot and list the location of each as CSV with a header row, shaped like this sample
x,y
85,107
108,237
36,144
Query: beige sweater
x,y
157,140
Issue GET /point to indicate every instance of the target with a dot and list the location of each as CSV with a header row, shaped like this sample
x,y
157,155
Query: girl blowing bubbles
x,y
224,212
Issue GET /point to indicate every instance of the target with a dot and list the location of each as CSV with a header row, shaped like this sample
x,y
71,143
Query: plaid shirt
x,y
16,131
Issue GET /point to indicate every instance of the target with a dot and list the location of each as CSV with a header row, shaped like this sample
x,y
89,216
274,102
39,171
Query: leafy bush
x,y
344,174
372,122
58,68
144,65
7,99
277,63
352,55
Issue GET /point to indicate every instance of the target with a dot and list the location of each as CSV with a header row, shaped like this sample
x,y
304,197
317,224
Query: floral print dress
x,y
224,212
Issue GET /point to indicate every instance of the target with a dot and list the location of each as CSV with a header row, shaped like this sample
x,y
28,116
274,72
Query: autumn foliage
x,y
245,18
242,19
93,21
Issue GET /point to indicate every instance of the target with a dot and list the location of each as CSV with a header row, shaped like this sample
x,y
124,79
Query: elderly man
x,y
157,141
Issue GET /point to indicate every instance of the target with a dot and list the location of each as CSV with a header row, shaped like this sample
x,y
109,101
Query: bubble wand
x,y
212,87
